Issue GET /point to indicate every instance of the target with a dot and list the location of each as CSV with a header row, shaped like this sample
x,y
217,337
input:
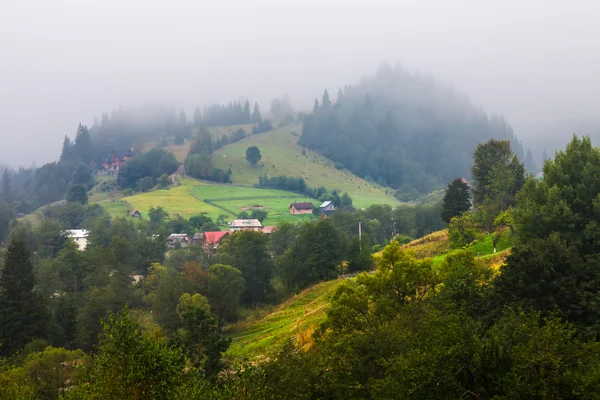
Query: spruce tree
x,y
22,312
67,150
247,117
456,201
6,187
197,117
256,117
83,144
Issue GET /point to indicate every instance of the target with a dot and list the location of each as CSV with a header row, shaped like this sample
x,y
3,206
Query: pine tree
x,y
529,162
67,150
197,117
326,102
256,117
457,200
83,144
182,119
316,107
22,312
6,187
247,116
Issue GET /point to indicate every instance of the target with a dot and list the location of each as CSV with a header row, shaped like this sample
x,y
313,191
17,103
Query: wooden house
x,y
303,207
178,238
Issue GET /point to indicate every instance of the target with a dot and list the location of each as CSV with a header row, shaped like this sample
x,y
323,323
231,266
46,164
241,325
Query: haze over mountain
x,y
64,62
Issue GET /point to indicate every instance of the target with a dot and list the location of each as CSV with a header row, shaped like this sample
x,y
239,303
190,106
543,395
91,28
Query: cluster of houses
x,y
211,240
115,161
307,207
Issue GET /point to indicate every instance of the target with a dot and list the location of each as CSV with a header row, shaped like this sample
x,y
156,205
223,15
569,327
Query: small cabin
x,y
136,214
178,238
327,206
304,207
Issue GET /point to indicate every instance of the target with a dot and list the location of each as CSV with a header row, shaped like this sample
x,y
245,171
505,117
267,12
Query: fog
x,y
67,61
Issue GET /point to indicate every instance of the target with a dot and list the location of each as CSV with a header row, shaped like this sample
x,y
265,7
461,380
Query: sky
x,y
67,61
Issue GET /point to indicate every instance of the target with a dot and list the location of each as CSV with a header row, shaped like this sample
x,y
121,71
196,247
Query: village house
x,y
209,240
178,238
79,236
136,214
268,230
327,206
303,207
115,161
245,225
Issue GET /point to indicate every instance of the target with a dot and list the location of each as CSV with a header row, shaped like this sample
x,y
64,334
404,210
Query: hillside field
x,y
296,318
193,197
281,155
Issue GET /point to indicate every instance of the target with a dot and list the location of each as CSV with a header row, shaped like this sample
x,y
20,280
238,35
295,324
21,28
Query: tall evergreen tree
x,y
182,119
22,312
530,164
256,117
316,107
456,200
247,116
197,117
6,187
83,144
67,150
326,102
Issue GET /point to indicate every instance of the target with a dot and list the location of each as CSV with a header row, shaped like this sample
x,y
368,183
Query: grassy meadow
x,y
297,318
193,197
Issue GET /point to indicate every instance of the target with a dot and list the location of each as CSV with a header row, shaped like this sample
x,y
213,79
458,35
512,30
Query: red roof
x,y
214,237
269,229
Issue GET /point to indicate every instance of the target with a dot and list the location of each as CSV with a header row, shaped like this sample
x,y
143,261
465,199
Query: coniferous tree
x,y
256,117
247,116
530,164
83,144
316,107
67,150
197,117
456,201
6,187
22,312
182,119
326,102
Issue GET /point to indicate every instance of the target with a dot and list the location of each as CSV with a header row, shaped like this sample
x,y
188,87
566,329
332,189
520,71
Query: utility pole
x,y
359,235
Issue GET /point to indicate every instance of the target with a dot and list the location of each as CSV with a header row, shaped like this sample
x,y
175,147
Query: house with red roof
x,y
210,240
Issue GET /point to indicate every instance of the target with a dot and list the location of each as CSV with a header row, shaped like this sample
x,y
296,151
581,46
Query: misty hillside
x,y
402,130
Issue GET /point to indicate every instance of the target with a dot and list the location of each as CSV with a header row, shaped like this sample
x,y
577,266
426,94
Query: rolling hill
x,y
281,155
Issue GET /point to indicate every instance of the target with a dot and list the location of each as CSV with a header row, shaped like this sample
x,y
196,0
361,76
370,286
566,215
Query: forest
x,y
73,324
402,130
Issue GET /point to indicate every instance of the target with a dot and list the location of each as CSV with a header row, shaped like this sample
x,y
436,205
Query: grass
x,y
193,197
296,318
437,247
281,155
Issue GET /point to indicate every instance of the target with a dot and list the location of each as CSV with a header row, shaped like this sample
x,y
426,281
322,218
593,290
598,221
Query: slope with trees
x,y
401,130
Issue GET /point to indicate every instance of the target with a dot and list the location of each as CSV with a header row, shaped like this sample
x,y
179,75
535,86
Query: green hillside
x,y
281,155
297,318
193,197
